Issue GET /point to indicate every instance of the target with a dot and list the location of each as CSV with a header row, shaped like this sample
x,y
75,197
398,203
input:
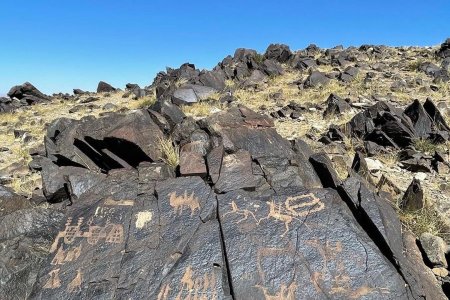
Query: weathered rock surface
x,y
132,230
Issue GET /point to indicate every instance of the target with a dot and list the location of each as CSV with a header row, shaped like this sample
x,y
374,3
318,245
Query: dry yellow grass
x,y
201,109
34,119
170,153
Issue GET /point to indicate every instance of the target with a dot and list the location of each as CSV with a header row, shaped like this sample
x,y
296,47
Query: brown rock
x,y
192,164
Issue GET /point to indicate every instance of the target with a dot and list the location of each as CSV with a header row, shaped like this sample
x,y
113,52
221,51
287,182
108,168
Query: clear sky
x,y
65,44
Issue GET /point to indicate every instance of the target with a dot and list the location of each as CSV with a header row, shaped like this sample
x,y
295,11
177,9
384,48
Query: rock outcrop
x,y
127,225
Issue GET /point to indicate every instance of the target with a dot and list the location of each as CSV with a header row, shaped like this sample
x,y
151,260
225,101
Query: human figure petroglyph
x,y
112,233
69,255
53,282
179,202
192,287
75,284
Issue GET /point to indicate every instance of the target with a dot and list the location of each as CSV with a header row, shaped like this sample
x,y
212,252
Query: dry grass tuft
x,y
201,109
424,220
170,153
144,102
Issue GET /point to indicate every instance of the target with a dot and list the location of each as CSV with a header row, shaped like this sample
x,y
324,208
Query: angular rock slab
x,y
305,245
86,255
175,255
111,142
118,245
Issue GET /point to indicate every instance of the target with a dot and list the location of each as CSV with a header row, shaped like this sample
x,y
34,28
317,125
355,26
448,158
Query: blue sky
x,y
61,45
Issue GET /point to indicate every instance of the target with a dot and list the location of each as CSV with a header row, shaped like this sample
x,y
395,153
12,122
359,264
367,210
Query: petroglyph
x,y
292,209
243,212
142,218
112,202
75,284
294,204
62,256
192,287
112,233
336,275
285,292
179,202
53,282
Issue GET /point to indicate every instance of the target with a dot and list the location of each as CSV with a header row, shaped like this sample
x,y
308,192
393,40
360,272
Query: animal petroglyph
x,y
179,202
69,255
53,282
112,233
192,287
142,218
333,272
245,213
75,284
294,208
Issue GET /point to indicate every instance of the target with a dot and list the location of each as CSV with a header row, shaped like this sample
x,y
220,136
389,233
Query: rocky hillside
x,y
315,174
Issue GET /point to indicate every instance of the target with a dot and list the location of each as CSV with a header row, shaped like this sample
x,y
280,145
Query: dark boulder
x,y
413,199
278,52
79,92
429,68
272,68
236,173
420,118
170,111
435,115
303,63
104,87
27,93
288,242
444,50
335,106
316,79
111,142
349,74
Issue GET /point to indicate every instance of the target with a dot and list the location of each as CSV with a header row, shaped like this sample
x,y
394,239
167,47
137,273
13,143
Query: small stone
x,y
441,272
373,164
420,176
434,248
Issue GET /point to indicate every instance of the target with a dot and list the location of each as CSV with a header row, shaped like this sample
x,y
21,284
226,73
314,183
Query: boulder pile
x,y
383,128
22,95
246,214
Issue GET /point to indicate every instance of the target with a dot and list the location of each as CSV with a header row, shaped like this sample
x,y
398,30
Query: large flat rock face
x,y
258,225
304,245
124,246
